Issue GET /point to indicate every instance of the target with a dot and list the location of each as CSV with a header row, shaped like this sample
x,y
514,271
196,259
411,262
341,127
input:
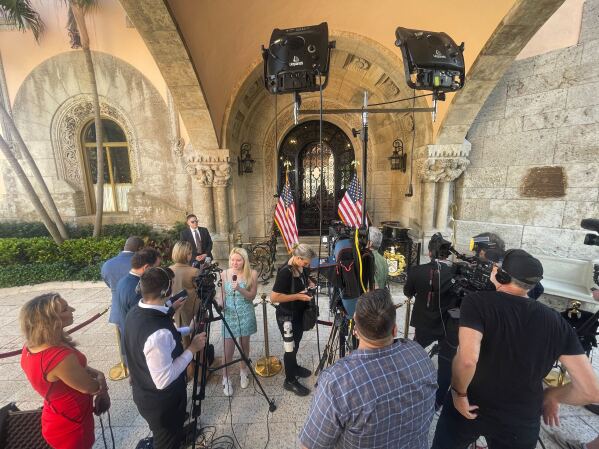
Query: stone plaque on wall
x,y
544,182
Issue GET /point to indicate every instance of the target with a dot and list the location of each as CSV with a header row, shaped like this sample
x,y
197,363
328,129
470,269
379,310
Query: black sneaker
x,y
303,372
296,387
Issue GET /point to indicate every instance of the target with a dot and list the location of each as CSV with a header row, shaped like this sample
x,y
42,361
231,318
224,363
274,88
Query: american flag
x,y
350,207
285,217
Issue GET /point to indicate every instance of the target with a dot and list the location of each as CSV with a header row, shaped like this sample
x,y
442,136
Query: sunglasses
x,y
193,221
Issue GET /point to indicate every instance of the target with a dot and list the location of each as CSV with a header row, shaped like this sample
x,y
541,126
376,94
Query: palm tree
x,y
37,204
20,14
77,11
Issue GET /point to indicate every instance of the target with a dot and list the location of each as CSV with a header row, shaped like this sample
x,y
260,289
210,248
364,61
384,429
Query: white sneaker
x,y
245,381
227,387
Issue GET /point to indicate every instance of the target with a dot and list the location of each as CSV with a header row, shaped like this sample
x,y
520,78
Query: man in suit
x,y
113,270
199,237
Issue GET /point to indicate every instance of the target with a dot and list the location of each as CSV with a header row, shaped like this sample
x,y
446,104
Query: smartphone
x,y
174,298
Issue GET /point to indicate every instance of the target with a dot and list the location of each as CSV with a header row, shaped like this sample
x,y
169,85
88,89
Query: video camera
x,y
591,224
339,231
205,282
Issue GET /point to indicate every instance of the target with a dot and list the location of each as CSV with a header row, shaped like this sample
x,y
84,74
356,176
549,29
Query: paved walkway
x,y
246,412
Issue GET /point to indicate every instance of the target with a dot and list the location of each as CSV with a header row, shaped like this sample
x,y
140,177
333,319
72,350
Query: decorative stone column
x,y
212,171
222,174
438,167
201,191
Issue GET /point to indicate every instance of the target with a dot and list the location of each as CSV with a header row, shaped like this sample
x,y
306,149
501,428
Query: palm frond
x,y
20,13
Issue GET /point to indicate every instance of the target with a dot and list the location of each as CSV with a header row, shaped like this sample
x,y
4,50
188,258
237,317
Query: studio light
x,y
432,61
245,163
297,59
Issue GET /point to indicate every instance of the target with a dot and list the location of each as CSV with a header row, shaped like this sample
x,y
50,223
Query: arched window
x,y
117,170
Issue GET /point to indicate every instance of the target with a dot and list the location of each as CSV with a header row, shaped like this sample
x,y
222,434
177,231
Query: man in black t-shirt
x,y
508,344
430,284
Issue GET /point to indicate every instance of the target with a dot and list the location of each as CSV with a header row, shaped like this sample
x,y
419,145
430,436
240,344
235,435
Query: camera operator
x,y
508,344
157,360
290,291
431,284
490,247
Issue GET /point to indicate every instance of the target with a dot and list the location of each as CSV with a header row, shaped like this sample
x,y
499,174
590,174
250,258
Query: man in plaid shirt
x,y
380,396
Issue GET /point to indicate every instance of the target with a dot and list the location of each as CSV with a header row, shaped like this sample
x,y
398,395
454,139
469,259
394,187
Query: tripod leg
x,y
272,406
327,349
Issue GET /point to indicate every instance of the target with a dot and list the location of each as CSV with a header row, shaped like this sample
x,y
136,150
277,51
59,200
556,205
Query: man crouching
x,y
382,395
157,360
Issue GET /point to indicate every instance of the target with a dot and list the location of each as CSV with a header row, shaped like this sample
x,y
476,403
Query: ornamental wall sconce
x,y
245,163
399,157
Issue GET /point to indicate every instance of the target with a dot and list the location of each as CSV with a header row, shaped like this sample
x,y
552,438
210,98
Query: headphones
x,y
165,291
502,276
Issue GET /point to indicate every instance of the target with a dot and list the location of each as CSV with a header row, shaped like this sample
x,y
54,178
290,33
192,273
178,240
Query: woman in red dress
x,y
59,373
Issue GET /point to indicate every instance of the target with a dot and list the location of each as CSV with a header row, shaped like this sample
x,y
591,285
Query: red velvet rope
x,y
5,355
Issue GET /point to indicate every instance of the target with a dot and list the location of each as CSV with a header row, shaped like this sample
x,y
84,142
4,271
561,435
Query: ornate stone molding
x,y
210,168
441,169
67,125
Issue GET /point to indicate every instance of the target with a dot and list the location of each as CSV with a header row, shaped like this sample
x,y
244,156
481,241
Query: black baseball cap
x,y
522,266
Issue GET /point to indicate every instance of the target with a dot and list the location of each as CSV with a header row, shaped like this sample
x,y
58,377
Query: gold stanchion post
x,y
268,365
407,321
120,371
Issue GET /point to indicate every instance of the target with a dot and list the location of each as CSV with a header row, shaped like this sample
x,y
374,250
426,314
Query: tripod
x,y
205,317
340,339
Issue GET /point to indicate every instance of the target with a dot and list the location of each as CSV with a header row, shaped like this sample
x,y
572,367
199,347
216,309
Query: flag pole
x,y
364,153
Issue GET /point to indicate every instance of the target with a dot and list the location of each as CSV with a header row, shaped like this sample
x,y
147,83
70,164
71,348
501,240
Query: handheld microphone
x,y
234,279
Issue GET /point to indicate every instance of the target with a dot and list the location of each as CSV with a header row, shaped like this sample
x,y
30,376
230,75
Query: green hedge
x,y
37,229
29,256
36,273
43,250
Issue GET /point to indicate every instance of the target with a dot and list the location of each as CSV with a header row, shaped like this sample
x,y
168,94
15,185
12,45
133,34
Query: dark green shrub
x,y
15,275
22,229
87,251
11,251
40,250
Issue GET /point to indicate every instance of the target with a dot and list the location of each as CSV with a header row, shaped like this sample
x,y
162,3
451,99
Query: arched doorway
x,y
301,148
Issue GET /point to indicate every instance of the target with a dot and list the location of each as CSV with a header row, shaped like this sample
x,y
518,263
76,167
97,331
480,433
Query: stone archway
x,y
357,64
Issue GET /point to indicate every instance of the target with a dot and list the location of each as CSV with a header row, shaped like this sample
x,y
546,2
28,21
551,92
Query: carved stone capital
x,y
441,169
210,168
222,174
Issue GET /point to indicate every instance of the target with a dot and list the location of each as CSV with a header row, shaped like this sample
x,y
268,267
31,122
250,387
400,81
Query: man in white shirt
x,y
157,360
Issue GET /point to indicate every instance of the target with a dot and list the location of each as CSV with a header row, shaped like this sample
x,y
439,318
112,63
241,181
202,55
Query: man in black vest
x,y
157,360
199,237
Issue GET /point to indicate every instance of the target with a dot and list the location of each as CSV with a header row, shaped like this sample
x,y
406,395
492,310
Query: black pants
x,y
456,432
290,358
166,419
446,353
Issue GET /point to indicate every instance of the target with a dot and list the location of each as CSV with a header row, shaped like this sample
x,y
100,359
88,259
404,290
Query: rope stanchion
x,y
118,371
5,355
268,365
